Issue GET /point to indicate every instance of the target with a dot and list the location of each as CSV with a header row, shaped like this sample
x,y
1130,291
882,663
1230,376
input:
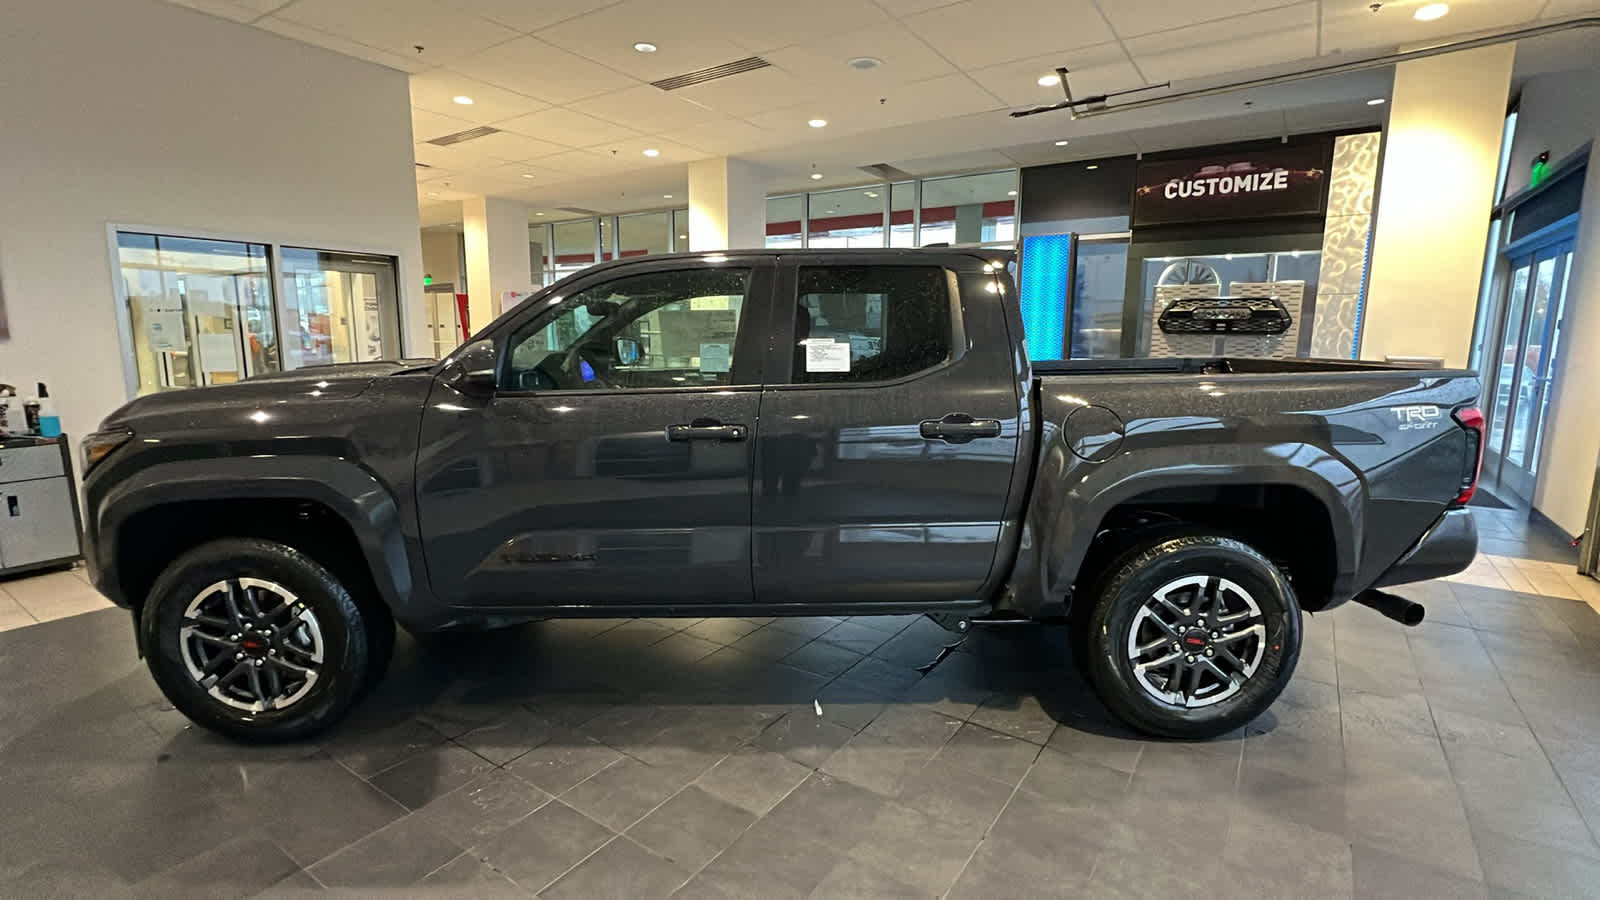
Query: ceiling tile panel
x,y
532,67
825,62
721,137
630,153
514,147
925,101
1094,70
1260,39
1352,26
1130,18
237,10
316,38
399,26
567,128
903,8
976,33
751,92
770,24
1094,146
645,108
525,15
436,90
583,163
425,125
1209,131
686,37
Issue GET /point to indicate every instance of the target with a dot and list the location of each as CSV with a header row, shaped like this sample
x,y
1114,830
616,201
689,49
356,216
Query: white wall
x,y
1557,113
140,112
1441,155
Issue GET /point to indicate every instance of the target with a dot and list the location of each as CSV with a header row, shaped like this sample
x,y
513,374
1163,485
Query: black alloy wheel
x,y
1192,636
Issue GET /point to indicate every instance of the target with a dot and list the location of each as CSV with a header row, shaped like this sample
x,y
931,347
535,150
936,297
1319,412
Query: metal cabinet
x,y
39,524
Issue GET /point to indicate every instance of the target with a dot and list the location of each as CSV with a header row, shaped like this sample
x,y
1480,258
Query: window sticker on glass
x,y
827,355
708,304
714,357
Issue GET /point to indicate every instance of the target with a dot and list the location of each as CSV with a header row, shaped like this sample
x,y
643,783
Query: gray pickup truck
x,y
775,433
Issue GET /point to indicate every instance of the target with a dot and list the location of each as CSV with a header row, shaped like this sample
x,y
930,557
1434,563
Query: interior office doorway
x,y
1520,360
342,307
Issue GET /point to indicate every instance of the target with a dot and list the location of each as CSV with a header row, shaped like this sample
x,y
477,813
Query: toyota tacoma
x,y
776,433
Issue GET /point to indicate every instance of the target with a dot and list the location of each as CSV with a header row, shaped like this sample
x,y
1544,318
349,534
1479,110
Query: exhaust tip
x,y
1393,606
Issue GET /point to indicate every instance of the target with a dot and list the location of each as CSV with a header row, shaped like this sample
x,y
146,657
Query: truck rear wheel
x,y
255,640
1192,637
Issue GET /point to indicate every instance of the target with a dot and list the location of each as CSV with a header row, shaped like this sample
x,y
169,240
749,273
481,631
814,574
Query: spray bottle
x,y
49,419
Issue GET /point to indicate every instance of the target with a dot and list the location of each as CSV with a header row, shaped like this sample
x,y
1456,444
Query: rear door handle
x,y
959,428
707,430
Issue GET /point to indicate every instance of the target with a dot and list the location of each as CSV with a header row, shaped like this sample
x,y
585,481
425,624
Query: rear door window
x,y
870,323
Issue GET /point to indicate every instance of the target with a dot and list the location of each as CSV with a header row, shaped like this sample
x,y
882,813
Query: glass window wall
x,y
644,233
204,312
340,307
902,214
200,310
970,209
784,217
852,217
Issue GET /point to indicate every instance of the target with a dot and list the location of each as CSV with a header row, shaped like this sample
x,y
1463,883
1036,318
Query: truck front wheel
x,y
1192,637
255,640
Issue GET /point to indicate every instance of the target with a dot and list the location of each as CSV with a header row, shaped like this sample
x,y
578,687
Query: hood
x,y
324,383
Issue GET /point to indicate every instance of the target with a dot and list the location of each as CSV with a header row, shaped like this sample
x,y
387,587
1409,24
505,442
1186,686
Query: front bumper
x,y
1445,549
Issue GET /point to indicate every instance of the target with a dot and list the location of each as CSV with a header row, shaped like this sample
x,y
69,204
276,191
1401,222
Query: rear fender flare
x,y
1072,513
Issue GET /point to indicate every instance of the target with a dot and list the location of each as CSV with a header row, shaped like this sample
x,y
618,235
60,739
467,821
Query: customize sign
x,y
1250,184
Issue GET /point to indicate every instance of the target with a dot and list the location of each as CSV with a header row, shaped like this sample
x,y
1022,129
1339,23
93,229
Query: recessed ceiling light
x,y
538,214
1011,193
645,47
527,175
1376,101
831,211
818,123
816,176
1091,167
1050,80
683,237
651,151
1430,12
872,193
432,194
666,196
1062,143
864,63
461,100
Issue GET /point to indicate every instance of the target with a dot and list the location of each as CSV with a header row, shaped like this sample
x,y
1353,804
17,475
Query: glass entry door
x,y
1528,342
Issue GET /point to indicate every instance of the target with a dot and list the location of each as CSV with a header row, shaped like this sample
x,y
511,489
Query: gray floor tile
x,y
400,854
483,807
242,867
914,848
1021,716
467,876
722,631
855,637
509,736
772,861
1382,875
804,737
823,658
982,751
770,642
1002,871
431,773
562,762
852,880
753,779
1535,869
692,828
625,791
542,847
827,810
619,869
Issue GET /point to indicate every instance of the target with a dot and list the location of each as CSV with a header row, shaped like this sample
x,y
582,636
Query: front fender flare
x,y
351,492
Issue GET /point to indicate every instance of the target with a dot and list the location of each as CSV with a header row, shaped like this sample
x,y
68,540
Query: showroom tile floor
x,y
809,757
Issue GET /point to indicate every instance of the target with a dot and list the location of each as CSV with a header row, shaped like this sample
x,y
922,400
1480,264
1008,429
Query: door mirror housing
x,y
629,351
472,372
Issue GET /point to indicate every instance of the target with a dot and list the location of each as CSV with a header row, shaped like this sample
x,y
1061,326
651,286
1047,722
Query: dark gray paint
x,y
480,508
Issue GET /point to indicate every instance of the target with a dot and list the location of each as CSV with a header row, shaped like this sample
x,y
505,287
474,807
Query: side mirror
x,y
472,372
629,351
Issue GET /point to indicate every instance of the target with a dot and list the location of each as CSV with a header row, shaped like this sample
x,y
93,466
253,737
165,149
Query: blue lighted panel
x,y
1043,285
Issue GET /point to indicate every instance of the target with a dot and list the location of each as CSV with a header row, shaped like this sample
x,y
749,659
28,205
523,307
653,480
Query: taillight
x,y
1471,421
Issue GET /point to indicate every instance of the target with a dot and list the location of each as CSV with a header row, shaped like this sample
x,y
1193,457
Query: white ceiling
x,y
561,79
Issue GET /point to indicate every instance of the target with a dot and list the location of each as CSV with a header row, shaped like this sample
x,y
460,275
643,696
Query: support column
x,y
495,232
727,204
1441,156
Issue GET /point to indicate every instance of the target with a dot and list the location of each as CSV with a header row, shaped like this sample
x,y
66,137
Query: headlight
x,y
99,445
